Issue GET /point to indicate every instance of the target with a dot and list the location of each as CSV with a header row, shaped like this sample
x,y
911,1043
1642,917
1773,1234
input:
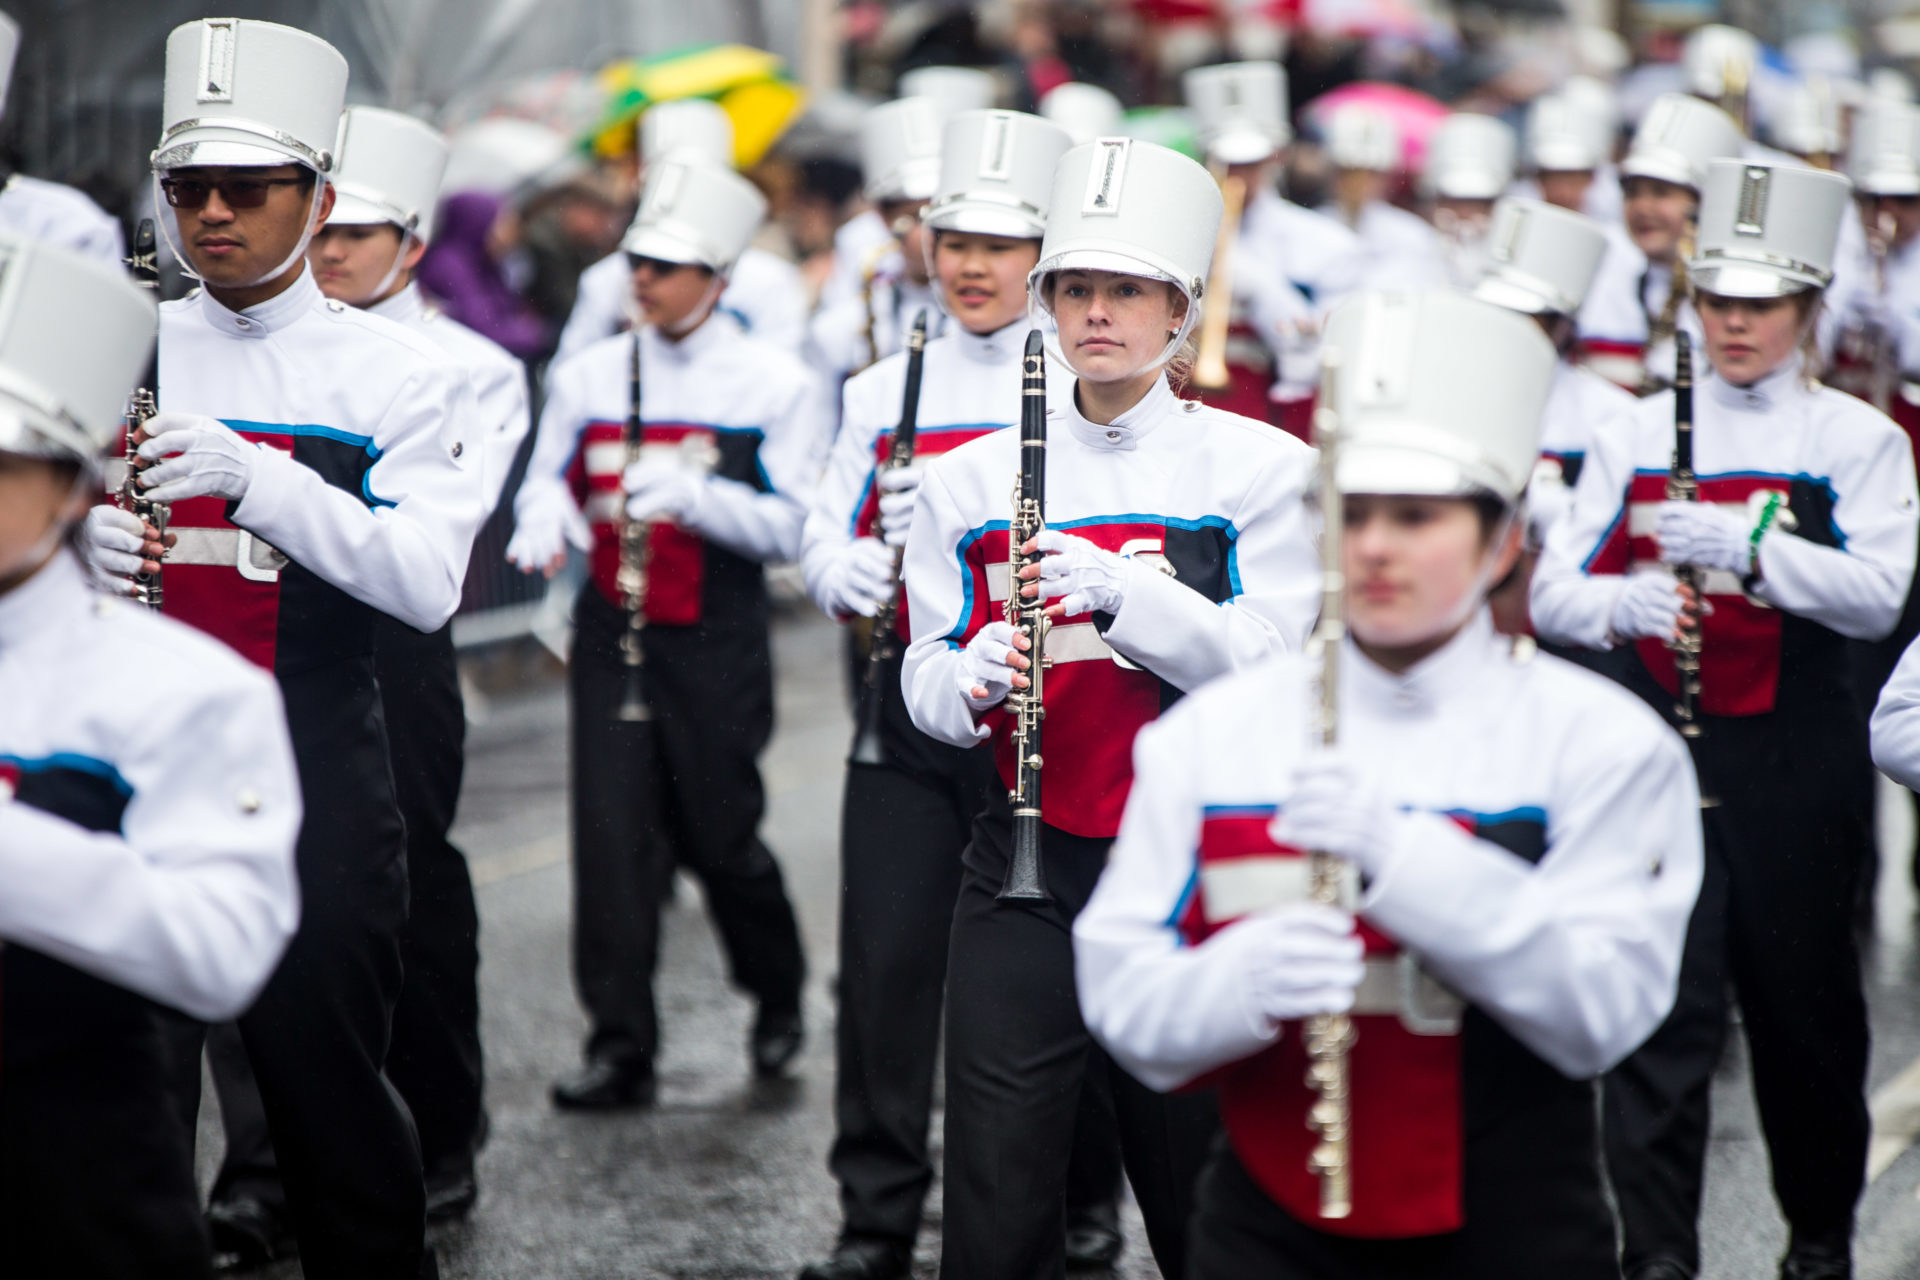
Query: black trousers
x,y
434,1058
1240,1234
684,787
1774,923
318,1035
1018,1059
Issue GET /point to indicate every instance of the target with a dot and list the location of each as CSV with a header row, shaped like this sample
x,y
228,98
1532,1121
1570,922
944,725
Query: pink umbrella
x,y
1414,114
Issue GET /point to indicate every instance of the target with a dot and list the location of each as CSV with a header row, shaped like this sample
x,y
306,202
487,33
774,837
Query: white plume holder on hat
x,y
1597,108
900,149
695,213
1884,159
1678,137
1541,258
1362,137
1470,157
1767,230
951,89
9,51
241,92
1717,53
996,174
1085,111
387,168
1239,109
1440,394
1559,140
687,129
75,335
1134,207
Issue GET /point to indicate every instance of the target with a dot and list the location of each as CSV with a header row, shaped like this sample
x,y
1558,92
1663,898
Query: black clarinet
x,y
143,264
1684,486
631,577
885,647
1025,881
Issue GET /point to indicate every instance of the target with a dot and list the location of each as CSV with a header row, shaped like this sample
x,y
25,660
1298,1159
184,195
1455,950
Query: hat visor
x,y
1386,469
1468,187
1505,293
983,218
352,211
28,434
1562,159
1095,260
1889,184
663,246
1243,146
190,151
1661,167
1743,280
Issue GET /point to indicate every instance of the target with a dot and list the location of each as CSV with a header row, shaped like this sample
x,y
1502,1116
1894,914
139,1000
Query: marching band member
x,y
1524,836
1878,347
1364,146
1640,296
1806,124
733,434
146,826
765,292
900,158
1176,549
46,211
1289,265
1469,166
1803,537
387,174
1565,149
906,815
1085,111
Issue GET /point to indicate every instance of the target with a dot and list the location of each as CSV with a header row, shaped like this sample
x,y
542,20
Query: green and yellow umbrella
x,y
749,84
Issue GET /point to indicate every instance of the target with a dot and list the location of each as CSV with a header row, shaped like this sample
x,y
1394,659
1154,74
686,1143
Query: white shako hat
x,y
1597,108
687,129
1239,110
996,174
1470,157
697,213
1085,111
1806,121
1678,137
1715,50
1120,204
1767,229
9,51
900,149
1884,159
242,92
1437,394
1541,259
952,89
1361,137
75,335
1559,139
387,168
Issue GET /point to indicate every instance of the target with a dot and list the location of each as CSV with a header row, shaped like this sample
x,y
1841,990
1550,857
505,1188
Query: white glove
x,y
1295,961
115,542
1649,606
205,458
1335,808
984,665
858,579
1699,534
1084,578
543,532
1549,500
899,491
662,489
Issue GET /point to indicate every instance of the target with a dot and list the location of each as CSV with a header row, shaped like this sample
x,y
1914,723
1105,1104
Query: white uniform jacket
x,y
1627,295
856,244
1846,473
367,486
1545,856
1581,406
745,414
1886,298
498,379
57,215
1401,249
147,823
1317,255
837,346
1208,507
765,293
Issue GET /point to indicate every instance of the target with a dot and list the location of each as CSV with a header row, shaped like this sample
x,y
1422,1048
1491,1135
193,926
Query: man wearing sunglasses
x,y
319,475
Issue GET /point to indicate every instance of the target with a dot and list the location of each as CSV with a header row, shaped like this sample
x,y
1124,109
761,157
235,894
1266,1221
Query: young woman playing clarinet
x,y
1506,849
1176,549
1801,538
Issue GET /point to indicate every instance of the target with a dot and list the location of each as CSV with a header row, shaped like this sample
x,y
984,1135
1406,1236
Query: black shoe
x,y
1094,1241
604,1084
863,1258
248,1234
1660,1269
1814,1260
777,1037
451,1194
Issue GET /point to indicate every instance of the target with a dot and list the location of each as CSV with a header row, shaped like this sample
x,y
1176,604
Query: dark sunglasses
x,y
235,193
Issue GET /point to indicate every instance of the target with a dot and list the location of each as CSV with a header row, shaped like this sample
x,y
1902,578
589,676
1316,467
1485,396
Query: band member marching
x,y
316,463
910,799
1469,165
1802,536
683,455
146,826
1176,549
1520,850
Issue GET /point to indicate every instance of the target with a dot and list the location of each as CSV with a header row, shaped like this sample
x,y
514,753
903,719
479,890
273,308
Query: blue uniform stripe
x,y
73,762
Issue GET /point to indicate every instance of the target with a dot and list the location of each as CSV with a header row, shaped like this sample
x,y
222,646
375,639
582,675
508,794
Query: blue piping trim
x,y
1606,536
1525,813
363,443
1187,891
72,761
1824,483
1240,810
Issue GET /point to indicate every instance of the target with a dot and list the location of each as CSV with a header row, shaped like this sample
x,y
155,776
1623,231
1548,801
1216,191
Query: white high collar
x,y
1126,431
262,319
40,603
1002,345
405,307
1449,671
1762,396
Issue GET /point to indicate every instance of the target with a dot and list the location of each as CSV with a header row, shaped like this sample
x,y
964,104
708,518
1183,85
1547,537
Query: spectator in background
x,y
824,195
564,231
462,272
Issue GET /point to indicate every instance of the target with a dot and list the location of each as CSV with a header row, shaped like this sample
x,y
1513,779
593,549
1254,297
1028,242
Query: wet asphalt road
x,y
725,1177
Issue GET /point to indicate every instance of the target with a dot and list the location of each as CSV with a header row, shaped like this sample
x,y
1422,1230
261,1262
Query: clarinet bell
x,y
1025,881
866,743
634,711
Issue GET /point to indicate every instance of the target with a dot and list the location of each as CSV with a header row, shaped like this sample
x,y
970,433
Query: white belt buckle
x,y
1426,1007
257,560
1151,552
